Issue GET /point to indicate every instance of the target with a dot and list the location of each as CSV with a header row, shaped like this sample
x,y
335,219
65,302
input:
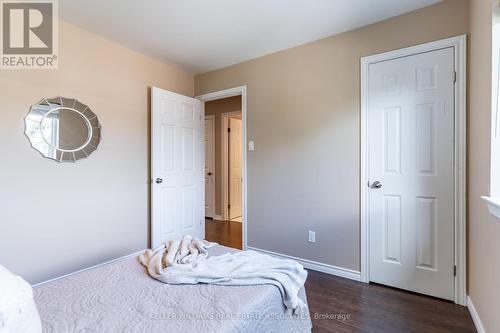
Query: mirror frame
x,y
38,113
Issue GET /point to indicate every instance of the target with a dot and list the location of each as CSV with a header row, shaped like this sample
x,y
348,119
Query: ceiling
x,y
203,35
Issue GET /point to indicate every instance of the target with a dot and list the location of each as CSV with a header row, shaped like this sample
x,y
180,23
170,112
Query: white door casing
x,y
411,153
229,93
177,189
235,168
209,166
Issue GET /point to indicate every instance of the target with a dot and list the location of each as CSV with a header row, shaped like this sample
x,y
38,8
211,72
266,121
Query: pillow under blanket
x,y
18,312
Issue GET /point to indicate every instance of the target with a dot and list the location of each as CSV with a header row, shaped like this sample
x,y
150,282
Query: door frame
x,y
460,149
225,153
242,90
212,167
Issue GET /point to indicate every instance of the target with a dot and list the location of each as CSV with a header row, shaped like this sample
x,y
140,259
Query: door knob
x,y
209,173
376,184
159,180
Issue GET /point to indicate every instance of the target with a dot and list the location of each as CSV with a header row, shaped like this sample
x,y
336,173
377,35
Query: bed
x,y
121,297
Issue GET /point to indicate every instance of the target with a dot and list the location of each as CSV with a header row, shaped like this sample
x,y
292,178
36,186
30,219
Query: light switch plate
x,y
312,236
251,145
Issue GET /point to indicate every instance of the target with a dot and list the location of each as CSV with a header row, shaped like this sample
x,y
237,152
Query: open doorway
x,y
225,167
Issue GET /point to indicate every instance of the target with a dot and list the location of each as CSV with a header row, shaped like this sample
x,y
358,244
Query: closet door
x,y
411,172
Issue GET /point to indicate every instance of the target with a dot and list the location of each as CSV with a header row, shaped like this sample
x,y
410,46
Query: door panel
x,y
411,135
177,188
235,168
209,166
426,148
426,233
392,228
392,139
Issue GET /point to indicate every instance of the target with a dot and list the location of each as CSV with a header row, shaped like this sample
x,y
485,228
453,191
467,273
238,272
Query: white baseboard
x,y
89,268
316,266
218,218
475,316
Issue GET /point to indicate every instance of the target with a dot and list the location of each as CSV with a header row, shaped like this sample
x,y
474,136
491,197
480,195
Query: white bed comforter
x,y
186,262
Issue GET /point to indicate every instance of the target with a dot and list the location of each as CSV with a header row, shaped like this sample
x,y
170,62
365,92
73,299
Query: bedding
x,y
182,252
122,297
242,268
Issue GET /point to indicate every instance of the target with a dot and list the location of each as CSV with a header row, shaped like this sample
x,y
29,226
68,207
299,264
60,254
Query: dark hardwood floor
x,y
361,307
225,233
341,305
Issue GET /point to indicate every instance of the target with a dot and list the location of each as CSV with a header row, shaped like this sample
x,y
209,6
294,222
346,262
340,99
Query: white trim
x,y
218,218
211,213
88,268
224,155
475,316
314,265
493,205
495,119
459,45
230,93
203,220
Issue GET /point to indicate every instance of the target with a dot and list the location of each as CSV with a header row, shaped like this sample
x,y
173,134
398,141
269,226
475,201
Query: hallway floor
x,y
227,233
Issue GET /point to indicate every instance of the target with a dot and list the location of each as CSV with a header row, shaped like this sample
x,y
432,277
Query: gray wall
x,y
303,113
58,218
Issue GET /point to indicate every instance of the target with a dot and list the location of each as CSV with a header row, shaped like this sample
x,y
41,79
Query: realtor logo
x,y
29,34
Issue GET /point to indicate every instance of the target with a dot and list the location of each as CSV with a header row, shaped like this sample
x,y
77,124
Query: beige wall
x,y
303,108
303,113
57,218
216,108
484,229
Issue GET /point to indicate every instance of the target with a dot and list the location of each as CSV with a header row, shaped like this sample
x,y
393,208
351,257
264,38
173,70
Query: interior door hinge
x,y
454,76
228,206
228,130
455,270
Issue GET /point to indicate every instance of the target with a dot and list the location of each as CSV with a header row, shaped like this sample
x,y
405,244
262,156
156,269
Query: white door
x,y
177,188
210,166
411,144
235,168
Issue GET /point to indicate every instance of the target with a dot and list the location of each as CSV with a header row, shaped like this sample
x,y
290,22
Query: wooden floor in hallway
x,y
227,233
340,305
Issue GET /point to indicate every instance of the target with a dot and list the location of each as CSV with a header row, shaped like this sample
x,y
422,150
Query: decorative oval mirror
x,y
63,129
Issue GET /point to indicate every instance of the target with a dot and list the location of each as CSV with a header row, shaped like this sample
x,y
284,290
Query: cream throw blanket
x,y
186,262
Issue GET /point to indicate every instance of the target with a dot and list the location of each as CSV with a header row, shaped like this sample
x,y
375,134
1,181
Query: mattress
x,y
122,297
